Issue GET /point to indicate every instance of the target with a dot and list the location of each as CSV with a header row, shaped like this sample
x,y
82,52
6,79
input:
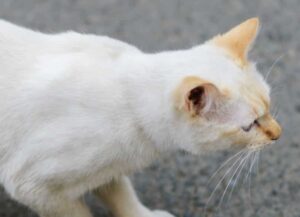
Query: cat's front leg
x,y
120,197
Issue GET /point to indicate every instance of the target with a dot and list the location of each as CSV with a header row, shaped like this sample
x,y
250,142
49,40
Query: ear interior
x,y
202,99
196,96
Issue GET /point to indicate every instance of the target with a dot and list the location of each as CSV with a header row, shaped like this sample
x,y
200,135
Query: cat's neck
x,y
149,88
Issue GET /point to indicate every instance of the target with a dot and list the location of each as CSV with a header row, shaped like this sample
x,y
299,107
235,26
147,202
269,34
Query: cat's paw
x,y
162,213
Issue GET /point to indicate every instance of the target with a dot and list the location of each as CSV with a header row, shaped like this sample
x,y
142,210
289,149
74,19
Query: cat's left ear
x,y
196,96
239,40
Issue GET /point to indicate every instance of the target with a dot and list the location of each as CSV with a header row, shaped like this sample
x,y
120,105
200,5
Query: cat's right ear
x,y
196,96
239,40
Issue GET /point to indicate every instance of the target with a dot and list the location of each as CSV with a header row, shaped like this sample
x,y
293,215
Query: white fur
x,y
78,111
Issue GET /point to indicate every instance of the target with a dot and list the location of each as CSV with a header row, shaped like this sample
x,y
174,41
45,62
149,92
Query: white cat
x,y
80,112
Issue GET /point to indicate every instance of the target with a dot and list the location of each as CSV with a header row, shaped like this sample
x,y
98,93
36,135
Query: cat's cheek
x,y
236,115
236,137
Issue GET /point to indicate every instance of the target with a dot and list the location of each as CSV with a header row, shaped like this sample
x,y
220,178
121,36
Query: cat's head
x,y
222,99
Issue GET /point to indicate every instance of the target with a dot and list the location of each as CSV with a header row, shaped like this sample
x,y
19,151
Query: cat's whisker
x,y
239,174
254,162
226,162
275,111
276,93
246,177
226,173
232,177
250,163
273,65
249,174
274,108
275,88
233,180
275,114
257,162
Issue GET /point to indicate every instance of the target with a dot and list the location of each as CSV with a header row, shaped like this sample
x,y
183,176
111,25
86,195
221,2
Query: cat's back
x,y
21,46
33,62
26,54
58,92
17,42
29,58
14,35
42,76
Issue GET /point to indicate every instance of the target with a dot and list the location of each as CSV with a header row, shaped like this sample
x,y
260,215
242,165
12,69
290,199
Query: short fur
x,y
80,112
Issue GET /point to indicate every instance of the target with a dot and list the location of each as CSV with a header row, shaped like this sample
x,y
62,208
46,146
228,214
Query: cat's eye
x,y
249,127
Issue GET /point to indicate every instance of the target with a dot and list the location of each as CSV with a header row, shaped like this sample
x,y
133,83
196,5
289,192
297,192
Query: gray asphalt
x,y
180,183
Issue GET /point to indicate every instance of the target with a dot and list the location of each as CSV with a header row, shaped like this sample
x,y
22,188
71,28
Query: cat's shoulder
x,y
10,32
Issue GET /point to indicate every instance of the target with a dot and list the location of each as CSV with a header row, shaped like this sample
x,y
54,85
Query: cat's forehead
x,y
227,54
257,93
237,81
218,66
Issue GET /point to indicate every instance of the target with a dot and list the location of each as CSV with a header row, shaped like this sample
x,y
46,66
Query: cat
x,y
80,112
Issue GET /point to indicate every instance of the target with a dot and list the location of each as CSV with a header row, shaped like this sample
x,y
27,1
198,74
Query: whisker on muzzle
x,y
240,161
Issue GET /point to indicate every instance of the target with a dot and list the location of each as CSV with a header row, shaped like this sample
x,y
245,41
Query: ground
x,y
181,183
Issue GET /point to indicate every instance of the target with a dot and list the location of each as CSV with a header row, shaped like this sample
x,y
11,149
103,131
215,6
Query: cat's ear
x,y
239,40
196,96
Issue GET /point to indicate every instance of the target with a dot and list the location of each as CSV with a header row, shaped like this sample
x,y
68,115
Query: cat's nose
x,y
275,136
276,131
270,127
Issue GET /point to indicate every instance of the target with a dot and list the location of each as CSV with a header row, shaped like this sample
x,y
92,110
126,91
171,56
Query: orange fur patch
x,y
182,101
183,88
269,127
238,40
256,97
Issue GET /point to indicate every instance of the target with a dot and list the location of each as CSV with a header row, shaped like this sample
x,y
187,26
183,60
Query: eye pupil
x,y
249,127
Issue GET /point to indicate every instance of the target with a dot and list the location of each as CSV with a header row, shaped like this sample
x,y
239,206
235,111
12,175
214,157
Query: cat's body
x,y
79,112
95,133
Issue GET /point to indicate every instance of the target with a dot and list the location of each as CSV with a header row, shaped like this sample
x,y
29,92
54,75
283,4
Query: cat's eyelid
x,y
256,122
250,126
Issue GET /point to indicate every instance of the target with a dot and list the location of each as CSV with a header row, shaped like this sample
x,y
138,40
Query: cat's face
x,y
228,104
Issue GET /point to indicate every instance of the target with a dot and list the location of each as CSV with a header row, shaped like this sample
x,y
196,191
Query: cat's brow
x,y
260,105
266,103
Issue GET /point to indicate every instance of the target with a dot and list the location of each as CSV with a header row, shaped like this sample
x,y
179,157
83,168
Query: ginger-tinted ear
x,y
196,96
239,39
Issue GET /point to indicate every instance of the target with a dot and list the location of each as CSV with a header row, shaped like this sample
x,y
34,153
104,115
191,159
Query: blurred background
x,y
180,183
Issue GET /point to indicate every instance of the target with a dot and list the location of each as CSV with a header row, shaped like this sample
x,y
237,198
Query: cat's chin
x,y
209,148
227,145
260,146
